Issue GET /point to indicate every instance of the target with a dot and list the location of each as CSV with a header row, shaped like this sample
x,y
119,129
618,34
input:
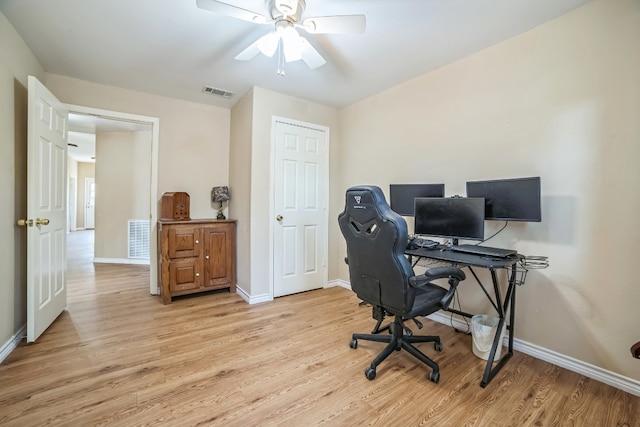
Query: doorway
x,y
89,119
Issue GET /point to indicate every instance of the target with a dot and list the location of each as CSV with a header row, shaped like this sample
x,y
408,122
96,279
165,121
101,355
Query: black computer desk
x,y
502,306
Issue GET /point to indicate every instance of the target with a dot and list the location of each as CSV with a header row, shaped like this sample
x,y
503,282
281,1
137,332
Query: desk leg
x,y
508,306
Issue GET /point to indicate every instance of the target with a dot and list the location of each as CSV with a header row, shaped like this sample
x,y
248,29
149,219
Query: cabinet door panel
x,y
185,275
184,241
219,255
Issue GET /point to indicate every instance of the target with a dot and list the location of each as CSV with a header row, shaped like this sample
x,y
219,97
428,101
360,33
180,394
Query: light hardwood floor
x,y
119,357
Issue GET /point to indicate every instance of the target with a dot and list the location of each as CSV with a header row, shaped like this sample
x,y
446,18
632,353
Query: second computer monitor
x,y
402,196
452,218
516,199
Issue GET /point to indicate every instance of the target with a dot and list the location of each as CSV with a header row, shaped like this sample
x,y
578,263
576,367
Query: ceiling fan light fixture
x,y
291,44
292,52
268,44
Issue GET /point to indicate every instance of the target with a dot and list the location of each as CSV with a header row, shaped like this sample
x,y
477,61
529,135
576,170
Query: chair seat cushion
x,y
427,300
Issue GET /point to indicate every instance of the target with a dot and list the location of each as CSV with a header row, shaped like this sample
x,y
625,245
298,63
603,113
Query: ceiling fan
x,y
286,16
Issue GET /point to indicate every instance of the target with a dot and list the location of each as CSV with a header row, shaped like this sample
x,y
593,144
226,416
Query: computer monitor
x,y
402,196
453,218
516,199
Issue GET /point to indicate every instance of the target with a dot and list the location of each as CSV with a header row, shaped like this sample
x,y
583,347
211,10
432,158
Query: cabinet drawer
x,y
185,275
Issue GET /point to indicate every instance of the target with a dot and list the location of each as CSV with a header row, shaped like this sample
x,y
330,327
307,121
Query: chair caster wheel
x,y
434,376
370,373
437,346
353,343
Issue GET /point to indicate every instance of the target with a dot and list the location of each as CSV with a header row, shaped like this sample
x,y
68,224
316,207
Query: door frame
x,y
272,190
154,289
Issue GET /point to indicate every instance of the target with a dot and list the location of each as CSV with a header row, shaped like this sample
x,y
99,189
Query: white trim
x,y
154,284
13,342
583,368
251,299
339,283
574,365
134,261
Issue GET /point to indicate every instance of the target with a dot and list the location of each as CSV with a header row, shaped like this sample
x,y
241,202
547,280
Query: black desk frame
x,y
502,306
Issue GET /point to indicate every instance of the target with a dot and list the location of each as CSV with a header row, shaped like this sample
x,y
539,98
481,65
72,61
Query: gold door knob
x,y
42,221
25,222
279,218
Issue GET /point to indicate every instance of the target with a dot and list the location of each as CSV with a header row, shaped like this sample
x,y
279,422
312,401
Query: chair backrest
x,y
376,239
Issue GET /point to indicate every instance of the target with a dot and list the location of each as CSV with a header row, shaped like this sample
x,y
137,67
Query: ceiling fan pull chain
x,y
280,58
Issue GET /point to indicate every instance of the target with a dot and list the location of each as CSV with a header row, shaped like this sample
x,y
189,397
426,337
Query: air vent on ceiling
x,y
218,92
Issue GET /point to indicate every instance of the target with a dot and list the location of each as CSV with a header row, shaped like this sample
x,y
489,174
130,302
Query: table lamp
x,y
220,194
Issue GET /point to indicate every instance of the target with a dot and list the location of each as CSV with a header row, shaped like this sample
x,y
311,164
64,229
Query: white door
x,y
46,209
300,205
89,203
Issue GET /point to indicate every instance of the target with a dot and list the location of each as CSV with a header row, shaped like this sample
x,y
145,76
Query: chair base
x,y
398,340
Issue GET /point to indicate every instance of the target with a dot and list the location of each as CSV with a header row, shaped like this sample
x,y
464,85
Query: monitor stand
x,y
450,243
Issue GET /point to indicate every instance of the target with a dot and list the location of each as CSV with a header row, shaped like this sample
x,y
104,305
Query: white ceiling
x,y
173,48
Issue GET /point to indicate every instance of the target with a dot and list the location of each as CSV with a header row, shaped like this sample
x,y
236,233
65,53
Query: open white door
x,y
46,209
300,203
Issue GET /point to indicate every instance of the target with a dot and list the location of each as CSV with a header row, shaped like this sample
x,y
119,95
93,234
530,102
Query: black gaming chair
x,y
382,276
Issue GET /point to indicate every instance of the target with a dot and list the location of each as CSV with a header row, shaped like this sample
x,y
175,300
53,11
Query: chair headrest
x,y
364,202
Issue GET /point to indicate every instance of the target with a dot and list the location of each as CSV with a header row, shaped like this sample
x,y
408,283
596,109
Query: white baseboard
x,y
583,368
588,370
339,283
13,342
134,261
252,299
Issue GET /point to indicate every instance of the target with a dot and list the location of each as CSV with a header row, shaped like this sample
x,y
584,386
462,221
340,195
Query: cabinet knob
x,y
197,241
206,257
197,274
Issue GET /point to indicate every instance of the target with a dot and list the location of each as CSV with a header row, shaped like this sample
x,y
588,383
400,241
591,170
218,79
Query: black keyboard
x,y
419,243
484,250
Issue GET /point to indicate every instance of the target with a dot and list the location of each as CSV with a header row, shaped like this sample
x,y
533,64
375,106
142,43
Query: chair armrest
x,y
455,275
445,272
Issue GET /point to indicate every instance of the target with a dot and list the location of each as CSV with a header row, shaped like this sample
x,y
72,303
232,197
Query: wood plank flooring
x,y
118,357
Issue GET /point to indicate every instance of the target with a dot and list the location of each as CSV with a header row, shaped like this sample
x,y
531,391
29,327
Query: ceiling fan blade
x,y
249,52
267,44
310,55
233,11
335,24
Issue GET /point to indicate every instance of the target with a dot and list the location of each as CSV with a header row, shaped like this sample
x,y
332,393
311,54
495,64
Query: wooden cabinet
x,y
196,256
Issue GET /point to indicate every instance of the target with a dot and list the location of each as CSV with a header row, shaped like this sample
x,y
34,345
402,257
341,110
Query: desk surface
x,y
445,254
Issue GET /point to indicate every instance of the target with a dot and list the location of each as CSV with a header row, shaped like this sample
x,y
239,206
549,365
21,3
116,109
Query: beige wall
x,y
264,105
123,184
85,171
240,185
561,101
16,63
193,152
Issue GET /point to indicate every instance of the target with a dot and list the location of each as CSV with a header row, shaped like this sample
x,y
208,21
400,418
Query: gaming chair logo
x,y
358,206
